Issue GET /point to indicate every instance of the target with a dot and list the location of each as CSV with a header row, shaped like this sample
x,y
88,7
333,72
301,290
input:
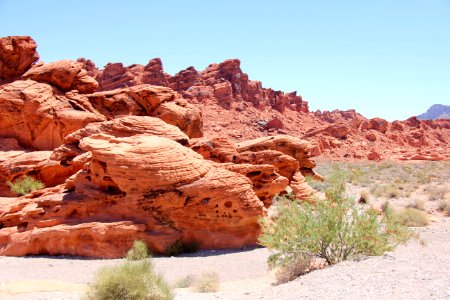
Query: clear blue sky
x,y
386,58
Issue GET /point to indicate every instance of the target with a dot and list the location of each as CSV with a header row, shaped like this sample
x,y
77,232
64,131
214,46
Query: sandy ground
x,y
413,271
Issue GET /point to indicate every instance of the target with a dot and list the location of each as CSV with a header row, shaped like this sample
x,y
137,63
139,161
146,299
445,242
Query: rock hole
x,y
205,200
254,173
228,204
113,190
22,226
187,200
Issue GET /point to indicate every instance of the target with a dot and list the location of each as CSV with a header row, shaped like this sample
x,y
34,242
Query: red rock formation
x,y
17,54
66,75
273,147
147,100
186,198
397,140
38,116
222,83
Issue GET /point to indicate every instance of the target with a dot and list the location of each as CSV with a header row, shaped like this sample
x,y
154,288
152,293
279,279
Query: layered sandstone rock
x,y
222,84
147,100
17,54
38,116
362,137
139,187
66,75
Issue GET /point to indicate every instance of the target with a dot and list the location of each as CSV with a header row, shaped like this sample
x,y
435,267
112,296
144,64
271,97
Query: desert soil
x,y
413,271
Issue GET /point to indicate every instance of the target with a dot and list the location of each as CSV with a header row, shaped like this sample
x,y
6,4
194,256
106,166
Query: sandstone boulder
x,y
139,187
66,75
17,54
37,116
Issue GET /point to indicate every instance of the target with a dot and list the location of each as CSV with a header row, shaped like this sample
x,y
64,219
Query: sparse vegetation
x,y
412,217
129,281
185,282
207,283
25,185
135,279
417,204
139,251
334,230
444,205
437,193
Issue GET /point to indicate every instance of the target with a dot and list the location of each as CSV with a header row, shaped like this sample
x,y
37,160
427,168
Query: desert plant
x,y
444,205
185,282
207,283
131,280
412,217
293,268
25,185
437,193
394,227
392,191
334,230
139,251
417,204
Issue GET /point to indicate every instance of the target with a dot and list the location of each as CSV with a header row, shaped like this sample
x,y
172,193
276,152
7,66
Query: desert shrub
x,y
394,226
392,191
185,282
139,251
131,280
412,217
207,283
180,247
417,204
444,205
335,229
437,193
291,269
25,185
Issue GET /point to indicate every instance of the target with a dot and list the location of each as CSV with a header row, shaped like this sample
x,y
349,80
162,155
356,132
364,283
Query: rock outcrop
x,y
66,75
139,187
222,84
142,155
17,55
38,116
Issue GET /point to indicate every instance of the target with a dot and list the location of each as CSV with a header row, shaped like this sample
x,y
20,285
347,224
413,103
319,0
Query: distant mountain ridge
x,y
436,111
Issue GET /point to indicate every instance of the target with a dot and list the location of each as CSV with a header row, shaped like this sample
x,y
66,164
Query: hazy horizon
x,y
383,59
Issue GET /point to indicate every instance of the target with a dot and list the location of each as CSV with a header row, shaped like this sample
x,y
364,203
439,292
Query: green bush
x,y
139,251
25,185
129,281
335,229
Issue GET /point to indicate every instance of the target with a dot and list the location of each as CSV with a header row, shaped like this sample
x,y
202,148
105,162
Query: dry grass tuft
x,y
207,283
417,204
412,217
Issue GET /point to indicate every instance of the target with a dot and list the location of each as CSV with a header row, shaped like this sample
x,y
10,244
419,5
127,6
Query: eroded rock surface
x,y
150,188
17,54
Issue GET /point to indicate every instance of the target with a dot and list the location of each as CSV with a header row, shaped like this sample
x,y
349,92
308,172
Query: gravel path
x,y
411,272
